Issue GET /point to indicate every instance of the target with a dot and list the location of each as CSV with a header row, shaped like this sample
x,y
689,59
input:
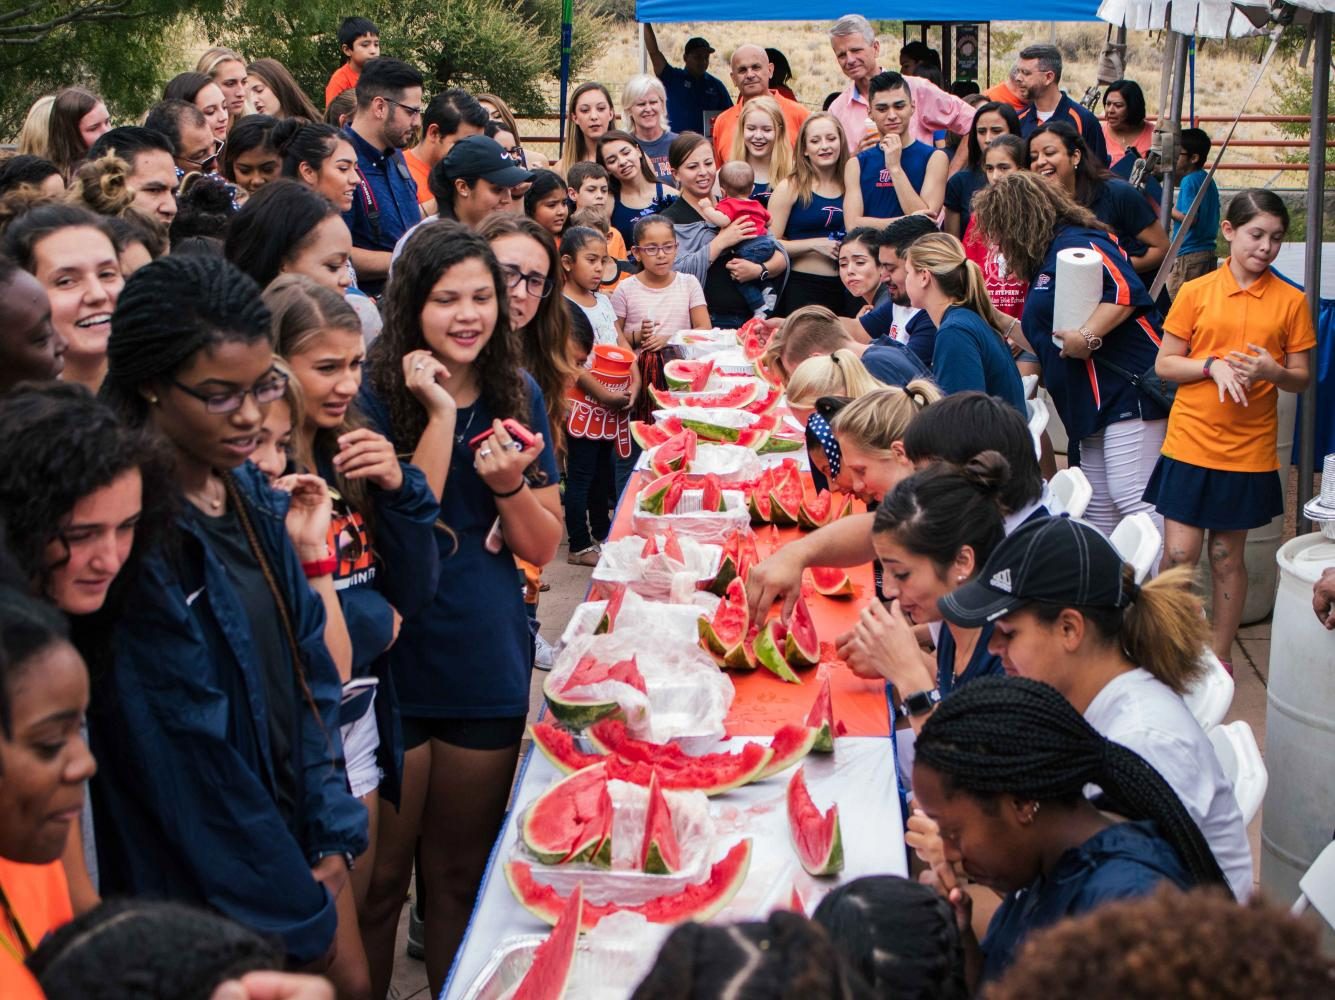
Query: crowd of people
x,y
297,406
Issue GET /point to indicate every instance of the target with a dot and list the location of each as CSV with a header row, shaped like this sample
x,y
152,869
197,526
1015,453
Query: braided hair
x,y
786,957
1014,736
899,935
167,312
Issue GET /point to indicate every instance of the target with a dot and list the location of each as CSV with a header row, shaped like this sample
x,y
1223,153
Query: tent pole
x,y
644,51
1316,193
1171,135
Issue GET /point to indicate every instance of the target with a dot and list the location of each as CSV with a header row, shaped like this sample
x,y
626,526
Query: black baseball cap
x,y
697,43
1057,560
478,156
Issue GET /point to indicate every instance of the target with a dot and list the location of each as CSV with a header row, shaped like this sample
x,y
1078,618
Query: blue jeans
x,y
757,250
588,488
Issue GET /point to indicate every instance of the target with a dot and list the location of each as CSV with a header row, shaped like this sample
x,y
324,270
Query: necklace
x,y
461,434
214,503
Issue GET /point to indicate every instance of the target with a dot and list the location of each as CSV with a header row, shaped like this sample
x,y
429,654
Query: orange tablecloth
x,y
763,702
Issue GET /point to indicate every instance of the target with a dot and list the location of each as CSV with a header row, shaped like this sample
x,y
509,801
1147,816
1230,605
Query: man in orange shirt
x,y
1008,90
360,41
452,115
751,71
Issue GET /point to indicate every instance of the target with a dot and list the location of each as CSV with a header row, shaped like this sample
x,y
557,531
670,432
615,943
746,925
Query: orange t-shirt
x,y
1214,316
340,80
420,171
725,125
1002,92
40,898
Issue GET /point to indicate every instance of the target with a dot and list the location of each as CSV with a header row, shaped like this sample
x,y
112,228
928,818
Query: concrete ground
x,y
1251,663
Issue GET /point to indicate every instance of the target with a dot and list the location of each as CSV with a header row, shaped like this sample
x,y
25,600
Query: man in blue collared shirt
x,y
389,107
1038,75
690,91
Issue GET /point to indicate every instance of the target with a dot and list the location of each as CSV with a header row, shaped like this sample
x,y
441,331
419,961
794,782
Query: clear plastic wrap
x,y
621,565
653,622
731,463
709,527
738,420
703,343
732,361
688,695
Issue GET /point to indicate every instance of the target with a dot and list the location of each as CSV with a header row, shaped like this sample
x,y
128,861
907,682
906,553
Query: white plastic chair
x,y
1317,887
1030,383
1070,492
1238,754
1138,542
1210,697
1037,411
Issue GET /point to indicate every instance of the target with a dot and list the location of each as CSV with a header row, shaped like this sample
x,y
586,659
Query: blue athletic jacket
x,y
184,796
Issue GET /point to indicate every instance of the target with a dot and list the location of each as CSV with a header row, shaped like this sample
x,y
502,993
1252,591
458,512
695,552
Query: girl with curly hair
x,y
444,374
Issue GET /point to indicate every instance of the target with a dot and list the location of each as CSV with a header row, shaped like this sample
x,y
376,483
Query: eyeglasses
x,y
654,250
537,285
271,389
212,158
413,112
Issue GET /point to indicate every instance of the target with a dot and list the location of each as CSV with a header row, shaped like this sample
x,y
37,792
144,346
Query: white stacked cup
x,y
1328,482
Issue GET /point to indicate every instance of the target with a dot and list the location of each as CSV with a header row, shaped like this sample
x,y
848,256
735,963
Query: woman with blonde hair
x,y
589,115
839,374
807,217
644,106
35,136
227,69
970,351
500,113
870,432
761,140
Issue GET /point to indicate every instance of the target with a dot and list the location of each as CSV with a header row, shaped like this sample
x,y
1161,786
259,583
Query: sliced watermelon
x,y
781,443
549,975
608,620
581,712
696,902
688,376
801,644
558,746
790,744
795,903
740,395
712,493
821,718
675,454
727,566
660,853
769,649
753,336
746,659
650,547
663,494
648,435
590,670
571,820
831,582
816,836
846,510
672,546
714,773
765,402
767,374
785,497
753,438
815,511
711,431
722,635
758,503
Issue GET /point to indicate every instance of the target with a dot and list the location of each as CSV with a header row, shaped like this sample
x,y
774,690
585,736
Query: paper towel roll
x,y
1079,289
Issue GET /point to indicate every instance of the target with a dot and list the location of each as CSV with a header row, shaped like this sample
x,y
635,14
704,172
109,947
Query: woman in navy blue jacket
x,y
217,724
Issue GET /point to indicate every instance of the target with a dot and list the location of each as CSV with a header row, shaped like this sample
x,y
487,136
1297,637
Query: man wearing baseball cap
x,y
690,91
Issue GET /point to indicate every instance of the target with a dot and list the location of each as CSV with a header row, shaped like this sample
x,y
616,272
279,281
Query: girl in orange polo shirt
x,y
1231,340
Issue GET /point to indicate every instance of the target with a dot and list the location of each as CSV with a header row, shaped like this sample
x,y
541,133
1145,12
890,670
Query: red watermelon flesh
x,y
674,493
816,835
712,493
608,621
675,454
753,335
815,511
650,548
654,498
831,582
648,435
769,650
672,546
722,635
571,820
766,401
736,397
785,496
696,902
548,976
660,853
558,746
753,438
727,566
589,670
712,773
801,644
821,717
790,744
691,376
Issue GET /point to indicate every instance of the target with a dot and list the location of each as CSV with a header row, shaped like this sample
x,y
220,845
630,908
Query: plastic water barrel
x,y
1299,813
1263,542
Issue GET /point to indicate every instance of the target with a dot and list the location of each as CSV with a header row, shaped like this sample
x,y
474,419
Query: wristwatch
x,y
918,703
1091,341
1208,362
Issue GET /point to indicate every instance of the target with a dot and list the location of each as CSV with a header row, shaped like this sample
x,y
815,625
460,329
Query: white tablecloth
x,y
859,776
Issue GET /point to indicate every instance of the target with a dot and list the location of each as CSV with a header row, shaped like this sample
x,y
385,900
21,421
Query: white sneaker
x,y
544,654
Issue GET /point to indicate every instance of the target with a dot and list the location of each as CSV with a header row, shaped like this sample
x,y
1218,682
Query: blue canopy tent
x,y
673,11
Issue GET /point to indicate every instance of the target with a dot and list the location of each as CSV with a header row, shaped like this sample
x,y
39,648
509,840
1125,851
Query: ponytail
x,y
1013,736
880,418
960,279
839,374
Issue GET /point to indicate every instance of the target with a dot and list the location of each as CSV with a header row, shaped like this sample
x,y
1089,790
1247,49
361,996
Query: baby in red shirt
x,y
737,181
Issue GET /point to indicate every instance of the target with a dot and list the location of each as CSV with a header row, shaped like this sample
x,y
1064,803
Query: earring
x,y
960,579
153,400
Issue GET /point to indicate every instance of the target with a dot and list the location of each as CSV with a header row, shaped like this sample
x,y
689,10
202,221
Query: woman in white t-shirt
x,y
1069,613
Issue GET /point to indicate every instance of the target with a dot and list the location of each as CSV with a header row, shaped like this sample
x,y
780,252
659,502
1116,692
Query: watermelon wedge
x,y
785,497
746,660
663,494
648,435
758,503
696,902
548,976
660,853
722,635
672,546
769,649
790,744
816,836
765,402
688,376
579,712
815,511
712,493
795,903
650,547
675,454
608,620
753,336
782,443
709,430
740,394
753,438
821,718
846,510
713,773
571,821
558,746
767,373
801,644
739,554
831,582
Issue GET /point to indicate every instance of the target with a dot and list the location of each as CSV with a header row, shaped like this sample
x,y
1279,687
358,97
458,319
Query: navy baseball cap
x,y
697,43
1057,560
478,156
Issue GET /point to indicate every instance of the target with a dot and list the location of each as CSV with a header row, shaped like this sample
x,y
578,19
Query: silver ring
x,y
517,445
418,367
484,452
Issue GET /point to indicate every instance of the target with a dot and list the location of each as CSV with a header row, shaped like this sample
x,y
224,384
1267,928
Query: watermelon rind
x,y
815,511
731,610
590,840
653,498
558,746
821,717
636,761
778,443
769,652
790,744
696,902
648,435
801,645
712,431
549,975
685,375
806,822
831,581
660,853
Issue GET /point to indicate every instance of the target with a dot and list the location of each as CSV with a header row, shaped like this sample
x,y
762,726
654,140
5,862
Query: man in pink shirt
x,y
858,52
